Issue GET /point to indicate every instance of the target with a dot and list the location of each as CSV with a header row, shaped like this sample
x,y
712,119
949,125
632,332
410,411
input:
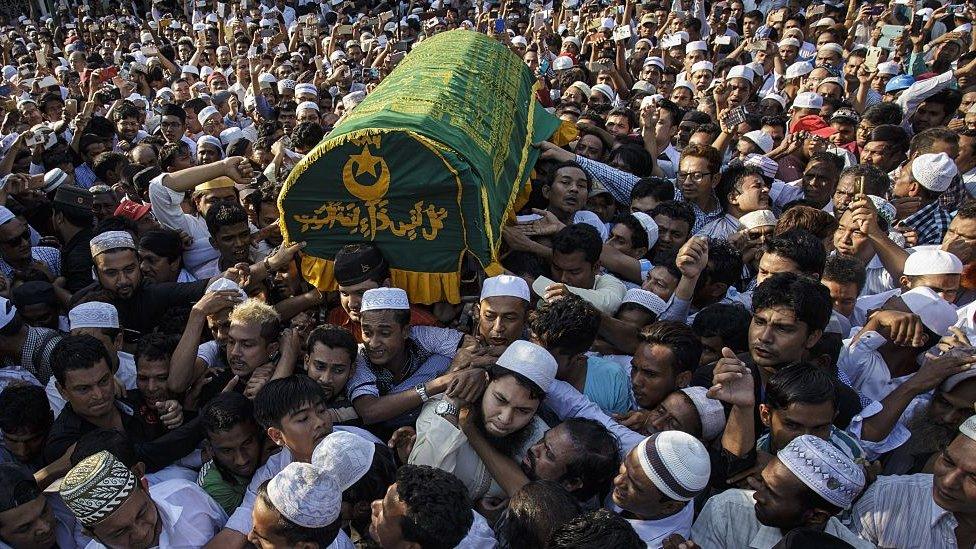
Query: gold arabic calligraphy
x,y
372,216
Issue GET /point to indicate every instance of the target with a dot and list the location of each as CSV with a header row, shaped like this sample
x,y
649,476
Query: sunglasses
x,y
24,236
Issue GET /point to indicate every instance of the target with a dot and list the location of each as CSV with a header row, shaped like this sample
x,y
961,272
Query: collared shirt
x,y
606,295
898,511
867,369
729,520
48,256
35,355
654,532
839,439
931,223
84,176
720,228
190,517
877,278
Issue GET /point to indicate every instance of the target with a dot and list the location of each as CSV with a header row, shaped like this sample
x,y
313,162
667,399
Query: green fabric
x,y
229,496
428,164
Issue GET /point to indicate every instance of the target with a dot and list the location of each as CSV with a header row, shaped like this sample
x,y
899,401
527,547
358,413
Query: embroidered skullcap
x,y
676,462
650,227
798,69
305,496
384,298
932,261
306,89
94,314
530,360
5,215
505,285
740,71
96,487
225,284
935,172
697,45
832,47
207,139
344,456
206,113
808,100
760,139
702,66
581,86
655,61
605,90
229,136
758,218
886,210
307,106
889,68
968,427
824,469
710,411
768,166
111,240
646,299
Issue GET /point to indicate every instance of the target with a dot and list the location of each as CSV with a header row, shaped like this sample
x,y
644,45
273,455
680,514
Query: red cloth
x,y
813,124
418,317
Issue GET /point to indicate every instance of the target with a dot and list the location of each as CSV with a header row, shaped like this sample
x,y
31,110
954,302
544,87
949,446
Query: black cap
x,y
34,292
357,263
74,197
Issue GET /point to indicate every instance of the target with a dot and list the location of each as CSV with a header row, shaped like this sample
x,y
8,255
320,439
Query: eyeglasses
x,y
696,177
24,236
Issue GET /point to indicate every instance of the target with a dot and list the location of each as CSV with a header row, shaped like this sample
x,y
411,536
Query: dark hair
x,y
708,152
116,223
373,485
807,298
307,135
173,110
727,321
638,235
800,247
294,533
967,210
568,164
25,407
127,110
672,109
801,382
497,372
888,113
113,441
566,326
107,161
679,338
196,104
439,512
76,352
774,121
596,530
925,140
156,346
657,188
334,337
226,410
625,112
579,237
724,262
876,182
536,510
635,157
170,152
895,136
163,242
17,486
595,460
845,270
75,216
224,215
807,219
679,211
280,397
949,98
732,179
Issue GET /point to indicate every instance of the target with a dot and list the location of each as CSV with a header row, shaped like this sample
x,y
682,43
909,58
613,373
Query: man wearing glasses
x,y
17,256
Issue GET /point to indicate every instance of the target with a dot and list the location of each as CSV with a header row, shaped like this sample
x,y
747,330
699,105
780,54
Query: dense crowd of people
x,y
738,309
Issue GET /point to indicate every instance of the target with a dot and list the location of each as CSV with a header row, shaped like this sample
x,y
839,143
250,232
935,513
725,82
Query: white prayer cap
x,y
207,139
6,215
190,69
7,311
656,61
225,284
337,55
697,45
968,427
562,63
808,100
782,100
605,90
305,496
206,113
760,139
94,314
682,35
798,69
384,298
647,87
9,72
789,41
684,84
936,313
889,68
758,218
581,86
710,412
307,106
932,261
520,41
505,286
650,227
530,360
676,462
934,171
646,299
758,70
702,66
352,99
572,40
286,84
111,240
344,456
205,72
823,22
740,71
266,78
768,166
306,89
833,80
229,136
824,469
832,47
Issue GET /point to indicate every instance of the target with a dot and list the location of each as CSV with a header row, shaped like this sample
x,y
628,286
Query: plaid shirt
x,y
49,256
931,223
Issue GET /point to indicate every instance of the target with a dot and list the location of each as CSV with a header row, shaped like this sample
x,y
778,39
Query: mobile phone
x,y
344,30
724,40
5,90
735,117
876,10
401,46
34,139
47,82
952,9
544,67
267,32
917,23
109,73
149,49
499,25
41,58
372,72
622,32
318,62
397,56
70,26
872,59
538,20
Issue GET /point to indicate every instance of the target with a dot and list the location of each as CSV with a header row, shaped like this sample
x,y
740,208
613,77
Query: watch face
x,y
442,408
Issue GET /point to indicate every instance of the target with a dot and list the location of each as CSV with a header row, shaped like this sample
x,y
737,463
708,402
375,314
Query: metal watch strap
x,y
452,410
422,391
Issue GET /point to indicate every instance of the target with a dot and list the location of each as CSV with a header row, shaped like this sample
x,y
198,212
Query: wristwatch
x,y
422,391
445,408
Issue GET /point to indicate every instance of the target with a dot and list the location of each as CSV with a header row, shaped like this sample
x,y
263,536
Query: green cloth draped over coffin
x,y
429,167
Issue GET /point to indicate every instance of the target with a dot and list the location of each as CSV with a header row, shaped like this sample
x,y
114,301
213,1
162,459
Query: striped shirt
x,y
898,511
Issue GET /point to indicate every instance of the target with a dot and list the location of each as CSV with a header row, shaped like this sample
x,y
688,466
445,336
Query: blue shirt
x,y
607,385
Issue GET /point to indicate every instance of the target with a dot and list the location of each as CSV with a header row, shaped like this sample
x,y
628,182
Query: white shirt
x,y
189,515
898,511
728,520
566,402
654,532
866,368
166,207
